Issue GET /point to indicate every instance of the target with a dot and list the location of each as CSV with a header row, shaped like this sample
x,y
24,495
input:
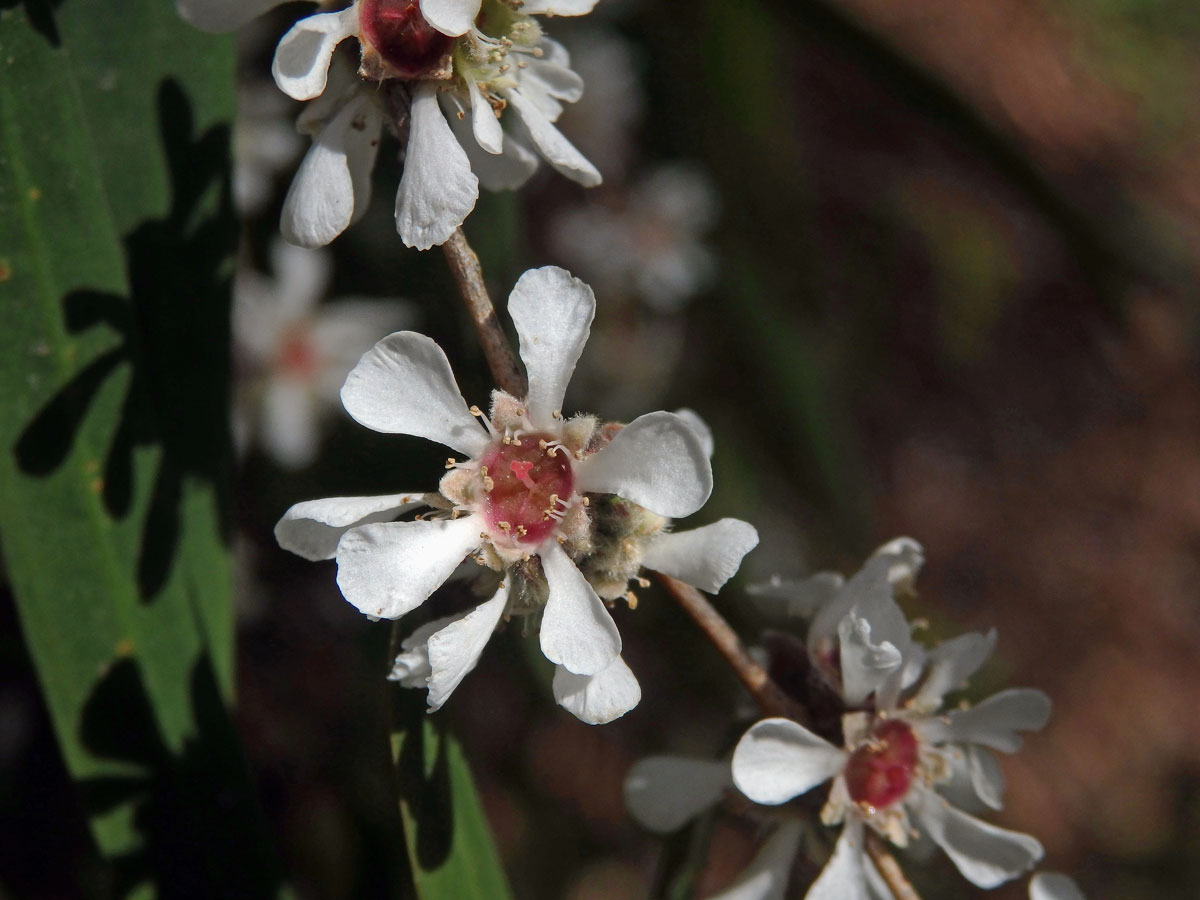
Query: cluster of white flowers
x,y
901,765
561,515
565,510
442,74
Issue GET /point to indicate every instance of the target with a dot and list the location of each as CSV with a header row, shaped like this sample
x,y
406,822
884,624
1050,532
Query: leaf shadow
x,y
172,333
201,832
40,14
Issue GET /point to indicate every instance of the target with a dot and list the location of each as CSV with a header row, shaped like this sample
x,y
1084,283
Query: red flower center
x,y
880,771
528,485
400,34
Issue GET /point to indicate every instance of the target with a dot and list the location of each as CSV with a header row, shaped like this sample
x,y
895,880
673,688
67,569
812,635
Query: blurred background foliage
x,y
953,295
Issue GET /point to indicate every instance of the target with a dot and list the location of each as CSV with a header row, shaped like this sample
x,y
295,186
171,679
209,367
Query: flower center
x,y
297,357
527,483
400,34
880,771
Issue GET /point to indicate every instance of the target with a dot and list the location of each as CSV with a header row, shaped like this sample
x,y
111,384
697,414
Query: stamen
x,y
631,600
642,582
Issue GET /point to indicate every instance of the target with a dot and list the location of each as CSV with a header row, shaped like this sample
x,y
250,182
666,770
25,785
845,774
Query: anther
x,y
642,582
631,599
451,462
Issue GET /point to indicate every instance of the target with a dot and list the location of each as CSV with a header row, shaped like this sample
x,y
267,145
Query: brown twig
x,y
890,870
754,678
468,275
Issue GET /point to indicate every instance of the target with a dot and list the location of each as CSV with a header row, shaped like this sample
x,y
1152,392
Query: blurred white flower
x,y
601,124
524,503
265,143
649,242
443,72
293,353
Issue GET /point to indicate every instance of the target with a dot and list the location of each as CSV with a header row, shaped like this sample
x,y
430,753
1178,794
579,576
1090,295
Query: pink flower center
x,y
297,357
398,31
880,771
527,487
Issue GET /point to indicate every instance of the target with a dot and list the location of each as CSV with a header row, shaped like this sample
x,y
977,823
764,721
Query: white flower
x,y
902,758
443,84
293,353
524,503
895,758
648,242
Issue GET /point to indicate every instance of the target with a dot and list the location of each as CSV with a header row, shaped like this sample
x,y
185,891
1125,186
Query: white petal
x,y
303,278
555,148
844,876
577,631
505,171
455,649
766,878
950,664
389,569
222,15
411,666
665,792
301,65
485,127
438,189
1053,886
987,780
985,854
452,17
553,312
332,185
600,698
705,557
778,759
313,528
865,663
288,428
547,79
655,461
698,425
995,721
904,556
404,385
555,7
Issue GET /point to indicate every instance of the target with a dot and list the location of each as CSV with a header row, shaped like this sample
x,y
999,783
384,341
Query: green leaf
x,y
449,842
116,237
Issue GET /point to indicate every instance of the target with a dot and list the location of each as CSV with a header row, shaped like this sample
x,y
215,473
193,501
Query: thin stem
x,y
770,698
506,371
756,680
890,870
